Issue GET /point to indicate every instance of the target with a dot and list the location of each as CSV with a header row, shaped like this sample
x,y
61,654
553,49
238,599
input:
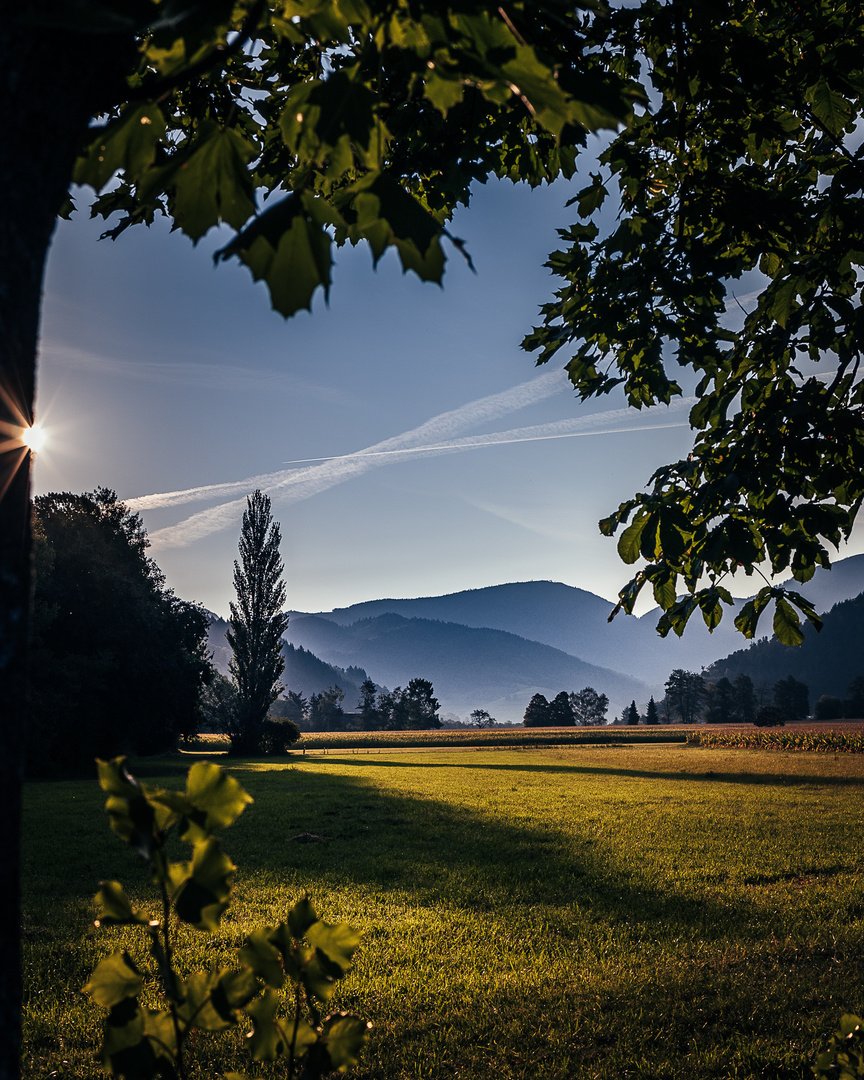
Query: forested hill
x,y
827,662
470,668
304,673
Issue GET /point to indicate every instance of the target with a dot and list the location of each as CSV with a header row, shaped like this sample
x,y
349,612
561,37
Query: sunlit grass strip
x,y
514,737
838,742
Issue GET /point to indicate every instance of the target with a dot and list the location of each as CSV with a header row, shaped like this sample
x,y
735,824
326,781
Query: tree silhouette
x,y
256,625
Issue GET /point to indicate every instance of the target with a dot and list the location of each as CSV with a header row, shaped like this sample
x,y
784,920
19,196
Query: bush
x,y
278,735
769,716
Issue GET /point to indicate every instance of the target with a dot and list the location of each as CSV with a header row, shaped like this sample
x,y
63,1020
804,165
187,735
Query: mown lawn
x,y
597,911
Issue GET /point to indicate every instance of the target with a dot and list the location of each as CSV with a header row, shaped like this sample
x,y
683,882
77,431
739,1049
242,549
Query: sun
x,y
34,437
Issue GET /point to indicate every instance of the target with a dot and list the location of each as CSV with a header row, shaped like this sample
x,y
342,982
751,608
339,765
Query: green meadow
x,y
594,911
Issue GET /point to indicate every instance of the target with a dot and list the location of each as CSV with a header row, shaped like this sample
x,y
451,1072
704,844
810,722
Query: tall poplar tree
x,y
257,624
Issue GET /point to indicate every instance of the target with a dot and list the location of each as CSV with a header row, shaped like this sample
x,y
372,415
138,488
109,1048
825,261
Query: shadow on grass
x,y
434,854
428,850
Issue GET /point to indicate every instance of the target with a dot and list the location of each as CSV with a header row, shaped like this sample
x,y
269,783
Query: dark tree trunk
x,y
52,82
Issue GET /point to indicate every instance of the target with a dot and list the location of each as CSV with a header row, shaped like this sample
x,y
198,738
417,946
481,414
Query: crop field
x,y
588,911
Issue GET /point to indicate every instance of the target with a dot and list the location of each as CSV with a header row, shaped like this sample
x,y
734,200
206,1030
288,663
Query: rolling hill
x,y
469,667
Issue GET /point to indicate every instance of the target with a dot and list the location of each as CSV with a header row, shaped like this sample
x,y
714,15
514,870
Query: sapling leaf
x,y
263,958
344,1036
114,979
268,1040
115,908
301,917
205,893
216,800
338,943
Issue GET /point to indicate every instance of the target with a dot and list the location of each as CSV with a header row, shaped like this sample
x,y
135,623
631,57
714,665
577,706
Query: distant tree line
x,y
582,708
692,698
413,708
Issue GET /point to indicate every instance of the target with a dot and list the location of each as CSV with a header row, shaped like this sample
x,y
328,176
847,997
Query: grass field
x,y
652,911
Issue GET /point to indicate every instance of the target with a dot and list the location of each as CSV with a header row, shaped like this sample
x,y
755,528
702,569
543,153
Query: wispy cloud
x,y
210,376
437,436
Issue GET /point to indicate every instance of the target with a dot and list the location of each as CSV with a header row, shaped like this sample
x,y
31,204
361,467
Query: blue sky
x,y
160,374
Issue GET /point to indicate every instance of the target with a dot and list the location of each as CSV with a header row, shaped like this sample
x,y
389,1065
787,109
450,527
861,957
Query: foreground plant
x,y
844,1058
302,956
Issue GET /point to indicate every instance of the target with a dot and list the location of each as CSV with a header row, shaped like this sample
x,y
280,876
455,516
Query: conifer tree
x,y
651,711
256,625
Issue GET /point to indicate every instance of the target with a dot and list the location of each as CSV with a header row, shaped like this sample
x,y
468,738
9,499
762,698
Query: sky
x,y
409,445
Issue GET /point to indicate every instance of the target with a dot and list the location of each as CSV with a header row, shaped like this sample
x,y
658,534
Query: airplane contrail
x,y
439,427
294,485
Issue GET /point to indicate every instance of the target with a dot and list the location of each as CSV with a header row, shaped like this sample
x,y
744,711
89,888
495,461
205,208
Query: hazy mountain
x,y
469,667
575,621
827,662
565,618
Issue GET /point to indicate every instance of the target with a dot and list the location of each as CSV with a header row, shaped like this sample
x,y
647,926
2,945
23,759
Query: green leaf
x,y
133,818
263,958
126,1049
127,144
203,886
289,247
210,999
536,83
268,1039
787,625
806,607
748,617
234,990
320,115
337,942
831,108
591,198
783,301
114,907
344,1037
217,797
444,92
630,541
301,917
210,180
663,584
114,979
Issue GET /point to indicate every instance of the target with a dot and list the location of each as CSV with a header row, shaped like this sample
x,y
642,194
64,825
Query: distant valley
x,y
495,647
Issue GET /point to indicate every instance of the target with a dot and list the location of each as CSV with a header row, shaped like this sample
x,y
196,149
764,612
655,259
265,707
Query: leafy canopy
x,y
365,120
745,171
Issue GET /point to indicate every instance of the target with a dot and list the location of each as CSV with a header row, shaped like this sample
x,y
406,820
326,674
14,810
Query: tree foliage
x,y
792,698
325,710
367,122
589,707
118,661
685,693
745,171
537,711
257,624
482,718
